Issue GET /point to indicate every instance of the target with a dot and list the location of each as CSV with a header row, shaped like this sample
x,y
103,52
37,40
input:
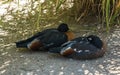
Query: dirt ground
x,y
14,61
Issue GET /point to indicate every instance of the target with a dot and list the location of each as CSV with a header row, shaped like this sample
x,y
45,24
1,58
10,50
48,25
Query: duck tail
x,y
55,50
21,44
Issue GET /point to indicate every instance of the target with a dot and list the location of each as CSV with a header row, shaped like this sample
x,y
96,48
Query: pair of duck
x,y
63,41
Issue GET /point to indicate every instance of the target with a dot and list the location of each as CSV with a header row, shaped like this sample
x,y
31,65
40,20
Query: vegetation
x,y
42,12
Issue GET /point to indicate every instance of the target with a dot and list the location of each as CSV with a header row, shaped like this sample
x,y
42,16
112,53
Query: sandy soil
x,y
15,61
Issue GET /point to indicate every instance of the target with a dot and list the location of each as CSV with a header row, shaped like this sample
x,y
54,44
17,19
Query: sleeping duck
x,y
48,38
82,48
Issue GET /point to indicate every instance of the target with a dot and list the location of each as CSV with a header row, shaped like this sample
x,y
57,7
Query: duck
x,y
89,47
48,38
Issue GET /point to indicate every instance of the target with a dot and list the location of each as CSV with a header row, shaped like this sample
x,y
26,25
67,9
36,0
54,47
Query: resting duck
x,y
47,38
82,48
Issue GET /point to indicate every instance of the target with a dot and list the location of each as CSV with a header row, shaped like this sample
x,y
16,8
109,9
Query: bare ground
x,y
15,61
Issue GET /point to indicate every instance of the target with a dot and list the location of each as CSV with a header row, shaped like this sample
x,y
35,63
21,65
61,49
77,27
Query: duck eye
x,y
90,39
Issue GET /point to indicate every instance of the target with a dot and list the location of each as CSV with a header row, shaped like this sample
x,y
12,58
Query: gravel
x,y
15,61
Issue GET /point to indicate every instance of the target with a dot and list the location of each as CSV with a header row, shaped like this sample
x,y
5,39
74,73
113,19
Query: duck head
x,y
95,40
63,27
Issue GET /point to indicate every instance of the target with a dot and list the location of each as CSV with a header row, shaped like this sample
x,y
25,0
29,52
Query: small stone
x,y
52,71
62,68
86,72
61,73
80,70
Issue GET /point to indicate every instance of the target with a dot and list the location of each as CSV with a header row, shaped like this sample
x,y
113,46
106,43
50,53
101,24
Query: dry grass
x,y
107,11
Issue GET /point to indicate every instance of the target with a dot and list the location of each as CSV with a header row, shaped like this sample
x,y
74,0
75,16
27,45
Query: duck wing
x,y
24,43
53,39
80,50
